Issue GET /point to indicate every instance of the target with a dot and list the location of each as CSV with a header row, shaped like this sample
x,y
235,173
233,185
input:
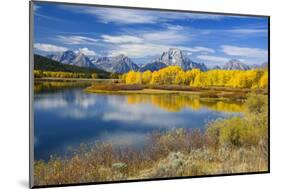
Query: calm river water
x,y
67,117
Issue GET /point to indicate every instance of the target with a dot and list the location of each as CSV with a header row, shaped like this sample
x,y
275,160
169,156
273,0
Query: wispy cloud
x,y
38,15
213,59
248,31
130,16
200,49
150,49
120,16
76,40
121,39
138,50
87,51
164,36
167,37
244,51
49,47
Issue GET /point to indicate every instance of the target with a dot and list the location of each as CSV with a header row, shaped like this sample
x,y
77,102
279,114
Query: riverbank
x,y
76,79
167,157
210,92
52,83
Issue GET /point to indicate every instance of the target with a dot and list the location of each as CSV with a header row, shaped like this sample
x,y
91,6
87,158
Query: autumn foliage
x,y
257,78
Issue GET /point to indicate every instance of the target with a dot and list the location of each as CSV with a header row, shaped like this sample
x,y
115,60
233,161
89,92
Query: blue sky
x,y
143,35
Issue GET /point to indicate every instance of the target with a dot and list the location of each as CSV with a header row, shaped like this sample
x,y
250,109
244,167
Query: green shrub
x,y
234,131
256,103
246,130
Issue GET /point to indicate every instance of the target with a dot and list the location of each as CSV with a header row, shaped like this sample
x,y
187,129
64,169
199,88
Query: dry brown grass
x,y
169,154
206,92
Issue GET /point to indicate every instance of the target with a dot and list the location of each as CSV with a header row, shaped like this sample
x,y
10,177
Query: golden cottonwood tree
x,y
263,83
146,77
213,78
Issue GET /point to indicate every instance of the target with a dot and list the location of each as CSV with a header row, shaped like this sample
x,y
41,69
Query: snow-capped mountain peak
x,y
177,57
235,64
117,64
72,58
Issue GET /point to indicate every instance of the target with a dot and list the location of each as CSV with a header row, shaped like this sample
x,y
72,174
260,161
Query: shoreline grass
x,y
58,79
232,145
207,92
64,83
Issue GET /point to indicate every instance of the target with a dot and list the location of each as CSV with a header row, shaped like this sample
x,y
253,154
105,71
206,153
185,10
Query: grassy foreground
x,y
233,145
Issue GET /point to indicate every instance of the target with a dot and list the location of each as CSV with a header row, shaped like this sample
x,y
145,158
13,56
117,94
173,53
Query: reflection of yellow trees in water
x,y
39,86
176,103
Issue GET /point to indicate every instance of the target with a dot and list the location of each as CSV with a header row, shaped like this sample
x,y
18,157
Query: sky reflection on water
x,y
70,117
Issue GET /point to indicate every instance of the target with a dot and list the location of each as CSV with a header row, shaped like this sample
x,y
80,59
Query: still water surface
x,y
67,117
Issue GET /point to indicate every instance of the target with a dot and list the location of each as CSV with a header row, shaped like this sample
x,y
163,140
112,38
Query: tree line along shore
x,y
172,80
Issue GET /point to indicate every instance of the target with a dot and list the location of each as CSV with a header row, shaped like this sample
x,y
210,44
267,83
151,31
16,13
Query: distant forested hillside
x,y
46,64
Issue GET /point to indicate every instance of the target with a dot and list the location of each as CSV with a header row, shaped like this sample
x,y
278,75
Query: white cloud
x,y
121,16
166,37
151,49
213,59
244,51
121,39
200,49
49,47
76,40
251,61
87,51
200,16
248,31
138,50
47,17
174,27
130,16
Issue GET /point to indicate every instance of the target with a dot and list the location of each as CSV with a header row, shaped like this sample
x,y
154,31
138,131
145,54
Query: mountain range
x,y
177,57
117,64
233,64
47,64
263,65
123,64
72,58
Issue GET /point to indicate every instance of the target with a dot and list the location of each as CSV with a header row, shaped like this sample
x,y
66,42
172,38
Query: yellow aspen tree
x,y
146,77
